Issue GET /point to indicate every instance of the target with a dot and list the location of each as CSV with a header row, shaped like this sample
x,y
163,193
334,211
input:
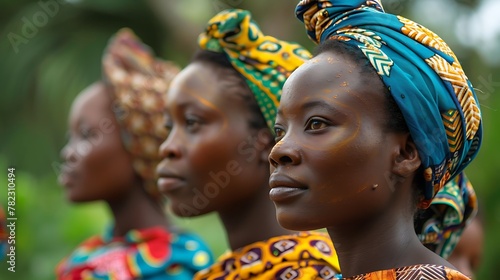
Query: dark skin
x,y
213,160
337,166
97,166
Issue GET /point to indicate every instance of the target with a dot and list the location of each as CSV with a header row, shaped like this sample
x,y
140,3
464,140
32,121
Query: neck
x,y
136,210
251,221
360,248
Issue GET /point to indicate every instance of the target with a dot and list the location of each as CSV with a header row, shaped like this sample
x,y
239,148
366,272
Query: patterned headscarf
x,y
138,83
451,210
264,61
422,73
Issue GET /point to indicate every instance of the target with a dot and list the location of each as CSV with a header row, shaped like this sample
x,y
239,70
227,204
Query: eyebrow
x,y
317,103
313,104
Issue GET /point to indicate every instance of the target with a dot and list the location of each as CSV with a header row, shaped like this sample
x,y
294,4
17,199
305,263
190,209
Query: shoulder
x,y
423,271
191,249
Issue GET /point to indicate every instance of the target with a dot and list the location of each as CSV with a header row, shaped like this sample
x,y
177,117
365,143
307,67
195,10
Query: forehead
x,y
93,103
195,83
331,77
199,85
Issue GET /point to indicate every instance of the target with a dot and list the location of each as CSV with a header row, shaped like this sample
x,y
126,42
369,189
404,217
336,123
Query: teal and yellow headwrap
x,y
422,73
440,226
264,61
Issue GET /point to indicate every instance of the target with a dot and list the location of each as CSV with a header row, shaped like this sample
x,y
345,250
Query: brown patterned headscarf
x,y
138,84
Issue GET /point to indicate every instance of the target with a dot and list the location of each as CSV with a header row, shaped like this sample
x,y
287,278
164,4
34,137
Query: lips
x,y
67,176
284,188
168,181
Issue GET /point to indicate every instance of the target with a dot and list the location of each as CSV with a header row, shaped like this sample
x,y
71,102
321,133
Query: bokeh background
x,y
51,49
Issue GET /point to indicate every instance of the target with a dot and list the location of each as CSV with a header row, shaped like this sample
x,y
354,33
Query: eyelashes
x,y
192,124
313,125
316,124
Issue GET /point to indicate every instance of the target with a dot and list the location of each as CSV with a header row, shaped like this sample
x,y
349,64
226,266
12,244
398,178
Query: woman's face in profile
x,y
96,165
332,161
211,159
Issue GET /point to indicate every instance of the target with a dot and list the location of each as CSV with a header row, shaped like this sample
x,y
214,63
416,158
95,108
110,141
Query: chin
x,y
75,198
185,210
296,221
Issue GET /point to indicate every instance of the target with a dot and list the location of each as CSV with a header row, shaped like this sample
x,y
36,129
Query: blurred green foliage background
x,y
51,49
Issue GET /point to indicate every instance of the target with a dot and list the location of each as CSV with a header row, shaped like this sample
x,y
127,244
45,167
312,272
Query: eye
x,y
85,133
279,132
168,126
316,124
192,123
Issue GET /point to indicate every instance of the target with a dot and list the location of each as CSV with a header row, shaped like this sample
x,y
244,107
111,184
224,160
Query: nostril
x,y
171,155
286,160
273,162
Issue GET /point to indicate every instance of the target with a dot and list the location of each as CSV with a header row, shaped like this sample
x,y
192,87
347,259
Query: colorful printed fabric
x,y
422,73
264,61
151,253
3,234
303,256
138,84
442,224
416,272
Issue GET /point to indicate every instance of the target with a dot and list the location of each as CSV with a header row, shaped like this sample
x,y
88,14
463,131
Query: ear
x,y
406,160
265,142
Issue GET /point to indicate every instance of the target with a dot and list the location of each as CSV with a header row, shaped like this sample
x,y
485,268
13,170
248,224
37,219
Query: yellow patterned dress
x,y
307,255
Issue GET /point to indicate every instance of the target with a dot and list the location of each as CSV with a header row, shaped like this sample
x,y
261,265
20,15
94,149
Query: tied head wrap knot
x,y
452,209
264,61
138,83
423,75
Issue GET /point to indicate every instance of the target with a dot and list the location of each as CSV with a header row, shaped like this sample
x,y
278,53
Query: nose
x,y
170,148
68,153
285,152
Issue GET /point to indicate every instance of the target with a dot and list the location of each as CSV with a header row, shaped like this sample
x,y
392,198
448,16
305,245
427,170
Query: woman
x,y
220,109
367,132
116,127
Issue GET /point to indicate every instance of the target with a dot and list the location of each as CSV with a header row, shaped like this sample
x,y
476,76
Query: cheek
x,y
207,155
343,169
341,154
107,164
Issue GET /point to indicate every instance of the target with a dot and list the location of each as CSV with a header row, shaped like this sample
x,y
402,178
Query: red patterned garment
x,y
151,253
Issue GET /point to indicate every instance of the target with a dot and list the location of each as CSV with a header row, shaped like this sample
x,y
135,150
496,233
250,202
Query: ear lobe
x,y
407,160
264,144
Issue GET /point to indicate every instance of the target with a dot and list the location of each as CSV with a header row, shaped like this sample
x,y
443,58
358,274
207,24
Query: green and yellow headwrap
x,y
264,61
